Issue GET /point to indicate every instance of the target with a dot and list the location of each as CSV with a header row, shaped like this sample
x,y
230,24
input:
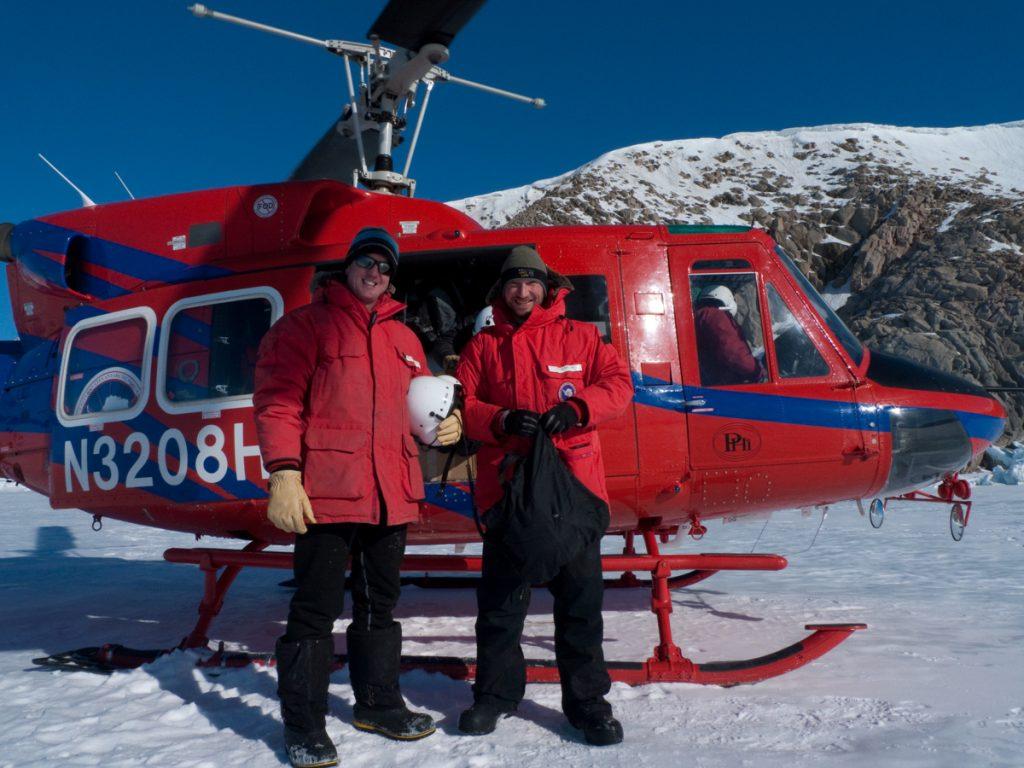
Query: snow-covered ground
x,y
937,680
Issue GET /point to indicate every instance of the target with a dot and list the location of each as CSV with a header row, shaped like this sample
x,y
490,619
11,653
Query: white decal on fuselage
x,y
209,460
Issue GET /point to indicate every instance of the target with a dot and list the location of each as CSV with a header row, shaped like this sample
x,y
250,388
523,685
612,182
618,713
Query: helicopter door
x,y
596,298
768,403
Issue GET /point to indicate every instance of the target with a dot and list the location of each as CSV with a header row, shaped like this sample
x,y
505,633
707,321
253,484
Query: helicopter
x,y
128,394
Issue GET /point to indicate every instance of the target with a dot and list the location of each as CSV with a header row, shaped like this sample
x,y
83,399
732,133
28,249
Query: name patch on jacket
x,y
410,360
569,368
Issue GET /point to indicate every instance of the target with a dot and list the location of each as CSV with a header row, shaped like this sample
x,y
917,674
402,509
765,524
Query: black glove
x,y
521,422
560,418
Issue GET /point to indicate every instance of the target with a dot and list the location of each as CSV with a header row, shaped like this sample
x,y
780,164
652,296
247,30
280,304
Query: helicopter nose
x,y
927,443
937,421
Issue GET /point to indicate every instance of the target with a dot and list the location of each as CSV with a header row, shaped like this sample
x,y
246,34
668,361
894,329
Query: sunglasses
x,y
368,262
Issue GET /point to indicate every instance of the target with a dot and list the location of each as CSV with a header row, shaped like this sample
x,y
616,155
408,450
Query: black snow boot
x,y
594,718
303,677
482,718
599,730
309,750
374,659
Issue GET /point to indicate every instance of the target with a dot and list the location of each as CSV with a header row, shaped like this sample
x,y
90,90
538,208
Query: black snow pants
x,y
503,599
305,652
321,558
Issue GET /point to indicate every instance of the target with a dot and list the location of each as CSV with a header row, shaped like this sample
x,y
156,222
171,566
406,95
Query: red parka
x,y
331,384
546,360
725,356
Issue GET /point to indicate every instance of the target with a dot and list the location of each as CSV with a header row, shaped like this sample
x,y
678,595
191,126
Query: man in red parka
x,y
334,432
723,351
536,369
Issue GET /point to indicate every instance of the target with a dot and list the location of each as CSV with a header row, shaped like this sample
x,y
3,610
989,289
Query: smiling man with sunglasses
x,y
334,432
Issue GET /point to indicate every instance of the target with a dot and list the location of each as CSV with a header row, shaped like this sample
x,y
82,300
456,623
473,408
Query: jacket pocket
x,y
578,448
337,463
561,381
413,477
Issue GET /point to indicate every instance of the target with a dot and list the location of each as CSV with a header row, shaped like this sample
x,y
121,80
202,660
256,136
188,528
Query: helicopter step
x,y
667,664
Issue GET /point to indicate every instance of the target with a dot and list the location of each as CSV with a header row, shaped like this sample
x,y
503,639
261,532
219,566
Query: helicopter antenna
x,y
124,185
376,113
87,202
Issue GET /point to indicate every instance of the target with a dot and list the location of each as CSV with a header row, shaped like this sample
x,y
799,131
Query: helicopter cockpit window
x,y
838,327
795,353
208,350
727,323
105,371
588,303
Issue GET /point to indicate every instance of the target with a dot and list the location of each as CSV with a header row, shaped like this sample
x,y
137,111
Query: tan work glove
x,y
450,430
289,508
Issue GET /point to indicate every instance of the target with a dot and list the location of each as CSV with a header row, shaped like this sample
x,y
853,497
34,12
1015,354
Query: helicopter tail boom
x,y
10,351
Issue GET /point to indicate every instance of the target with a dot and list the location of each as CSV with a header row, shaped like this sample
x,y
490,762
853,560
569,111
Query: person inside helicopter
x,y
438,316
724,353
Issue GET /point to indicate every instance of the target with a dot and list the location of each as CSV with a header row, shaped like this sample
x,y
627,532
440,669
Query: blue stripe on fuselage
x,y
782,409
454,499
133,263
751,406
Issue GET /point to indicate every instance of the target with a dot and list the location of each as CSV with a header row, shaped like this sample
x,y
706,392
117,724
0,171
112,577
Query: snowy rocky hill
x,y
923,228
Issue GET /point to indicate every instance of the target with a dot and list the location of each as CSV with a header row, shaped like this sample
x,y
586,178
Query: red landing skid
x,y
667,664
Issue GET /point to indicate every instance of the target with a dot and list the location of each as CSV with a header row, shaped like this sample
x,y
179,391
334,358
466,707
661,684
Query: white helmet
x,y
721,294
431,400
484,319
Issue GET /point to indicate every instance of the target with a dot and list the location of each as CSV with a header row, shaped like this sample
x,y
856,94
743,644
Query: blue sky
x,y
175,103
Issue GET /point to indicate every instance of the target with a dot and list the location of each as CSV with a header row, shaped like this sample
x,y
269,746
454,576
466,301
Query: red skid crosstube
x,y
667,664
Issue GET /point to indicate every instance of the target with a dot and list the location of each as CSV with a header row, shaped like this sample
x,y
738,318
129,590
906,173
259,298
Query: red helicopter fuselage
x,y
128,394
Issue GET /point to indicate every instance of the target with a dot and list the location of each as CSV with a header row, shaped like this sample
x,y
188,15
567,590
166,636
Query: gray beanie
x,y
523,263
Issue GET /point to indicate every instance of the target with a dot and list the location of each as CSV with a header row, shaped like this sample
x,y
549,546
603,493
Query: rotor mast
x,y
389,81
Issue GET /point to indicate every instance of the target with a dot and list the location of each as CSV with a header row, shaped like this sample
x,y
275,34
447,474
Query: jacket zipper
x,y
377,490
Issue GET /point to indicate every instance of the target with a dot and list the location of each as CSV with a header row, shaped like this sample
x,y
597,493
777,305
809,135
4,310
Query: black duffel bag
x,y
547,516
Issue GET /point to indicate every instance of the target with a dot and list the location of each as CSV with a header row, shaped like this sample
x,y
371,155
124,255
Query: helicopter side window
x,y
208,350
105,370
795,353
727,323
588,303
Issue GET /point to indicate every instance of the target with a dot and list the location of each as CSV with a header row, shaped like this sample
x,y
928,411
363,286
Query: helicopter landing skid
x,y
667,664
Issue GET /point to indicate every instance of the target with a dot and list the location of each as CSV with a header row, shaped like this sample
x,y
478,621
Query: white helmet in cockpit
x,y
721,295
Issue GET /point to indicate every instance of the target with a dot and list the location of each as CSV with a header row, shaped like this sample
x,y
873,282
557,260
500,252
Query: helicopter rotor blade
x,y
414,23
